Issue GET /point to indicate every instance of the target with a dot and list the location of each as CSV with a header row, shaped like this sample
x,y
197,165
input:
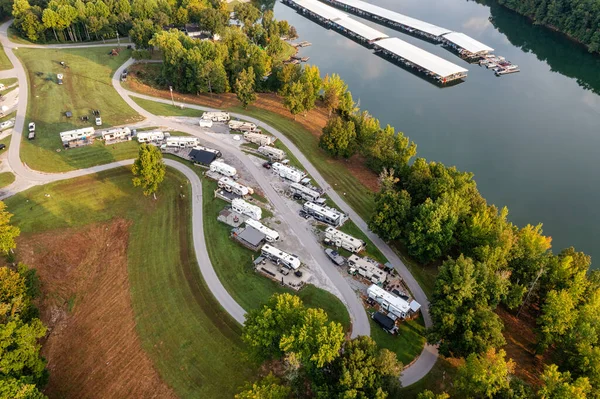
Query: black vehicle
x,y
297,197
2,146
304,214
298,273
267,165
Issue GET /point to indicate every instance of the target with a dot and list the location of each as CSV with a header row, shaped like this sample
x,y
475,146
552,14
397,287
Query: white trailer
x,y
216,116
270,234
118,134
346,241
396,306
202,148
78,137
231,186
259,138
272,152
239,126
306,193
241,206
150,137
325,214
280,257
288,172
206,122
222,168
182,141
368,269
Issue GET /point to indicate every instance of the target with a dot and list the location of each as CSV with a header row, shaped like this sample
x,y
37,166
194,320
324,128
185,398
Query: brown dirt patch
x,y
92,347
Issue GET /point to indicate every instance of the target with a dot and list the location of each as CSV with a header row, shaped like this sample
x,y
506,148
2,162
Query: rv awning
x,y
251,236
383,321
202,157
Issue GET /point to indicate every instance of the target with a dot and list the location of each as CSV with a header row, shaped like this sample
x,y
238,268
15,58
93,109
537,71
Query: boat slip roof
x,y
419,57
467,42
361,29
321,9
395,17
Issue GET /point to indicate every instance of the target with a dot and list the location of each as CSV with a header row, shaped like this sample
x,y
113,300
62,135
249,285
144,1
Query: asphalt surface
x,y
26,178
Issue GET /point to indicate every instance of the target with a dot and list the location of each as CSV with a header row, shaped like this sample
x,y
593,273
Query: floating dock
x,y
465,45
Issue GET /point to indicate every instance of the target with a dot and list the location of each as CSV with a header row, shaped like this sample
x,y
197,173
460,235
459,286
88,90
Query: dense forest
x,y
579,19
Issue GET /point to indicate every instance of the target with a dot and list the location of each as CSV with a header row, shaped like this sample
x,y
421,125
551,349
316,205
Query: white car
x,y
31,126
98,121
2,87
7,124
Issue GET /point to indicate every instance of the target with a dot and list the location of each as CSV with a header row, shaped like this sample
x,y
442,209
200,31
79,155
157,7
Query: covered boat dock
x,y
466,45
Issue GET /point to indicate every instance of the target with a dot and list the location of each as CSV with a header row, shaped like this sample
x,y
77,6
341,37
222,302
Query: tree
x,y
392,209
142,32
267,388
427,394
311,78
294,98
8,233
339,138
246,13
484,375
19,349
389,149
557,385
19,389
557,318
334,87
244,87
212,20
149,169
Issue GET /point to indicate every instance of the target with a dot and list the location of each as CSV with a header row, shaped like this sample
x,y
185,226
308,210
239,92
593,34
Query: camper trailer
x,y
325,214
154,137
279,257
231,186
222,168
304,192
216,116
272,152
241,206
201,148
288,172
118,134
182,141
340,239
78,137
239,126
259,138
396,307
270,234
367,268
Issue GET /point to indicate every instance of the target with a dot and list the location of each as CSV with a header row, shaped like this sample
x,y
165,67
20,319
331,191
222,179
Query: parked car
x,y
31,136
335,256
98,121
297,197
298,273
304,214
2,146
267,165
32,126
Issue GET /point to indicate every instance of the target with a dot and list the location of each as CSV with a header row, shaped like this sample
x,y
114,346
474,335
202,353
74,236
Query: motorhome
x,y
182,141
288,172
367,268
118,134
154,137
222,168
272,152
78,137
305,193
243,207
216,116
201,148
259,138
325,214
280,257
341,239
270,234
231,186
239,126
396,307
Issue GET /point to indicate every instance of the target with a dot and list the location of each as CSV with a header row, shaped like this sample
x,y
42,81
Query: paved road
x,y
26,178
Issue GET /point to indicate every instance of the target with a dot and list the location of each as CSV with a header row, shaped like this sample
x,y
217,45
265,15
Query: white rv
x,y
346,241
182,141
118,134
270,234
396,306
150,137
216,116
78,137
272,152
239,126
259,138
306,193
325,214
241,206
206,122
202,148
233,187
222,168
288,172
279,257
368,269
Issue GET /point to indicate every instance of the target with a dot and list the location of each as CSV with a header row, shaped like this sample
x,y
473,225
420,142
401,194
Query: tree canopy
x,y
148,169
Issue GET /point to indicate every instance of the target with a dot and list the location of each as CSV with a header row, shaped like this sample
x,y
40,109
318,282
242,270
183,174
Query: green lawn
x,y
193,343
8,81
5,63
166,109
87,86
407,344
6,178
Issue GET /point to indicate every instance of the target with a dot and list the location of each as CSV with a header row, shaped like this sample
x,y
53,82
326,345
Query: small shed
x,y
68,114
249,237
202,157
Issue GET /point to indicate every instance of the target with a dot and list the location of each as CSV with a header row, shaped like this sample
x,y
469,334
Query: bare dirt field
x,y
92,347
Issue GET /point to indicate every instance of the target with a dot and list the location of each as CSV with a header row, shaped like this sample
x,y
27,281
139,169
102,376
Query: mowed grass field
x,y
87,86
5,63
193,343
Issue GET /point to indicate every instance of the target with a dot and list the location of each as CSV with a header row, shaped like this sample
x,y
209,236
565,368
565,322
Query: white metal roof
x,y
395,301
420,57
467,42
396,17
321,9
360,29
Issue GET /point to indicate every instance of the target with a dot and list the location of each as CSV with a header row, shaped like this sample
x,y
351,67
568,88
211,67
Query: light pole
x,y
171,90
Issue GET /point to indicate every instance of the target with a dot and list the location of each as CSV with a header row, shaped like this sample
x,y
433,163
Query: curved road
x,y
26,178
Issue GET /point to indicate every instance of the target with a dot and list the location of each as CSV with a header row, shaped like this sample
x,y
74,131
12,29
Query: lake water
x,y
531,138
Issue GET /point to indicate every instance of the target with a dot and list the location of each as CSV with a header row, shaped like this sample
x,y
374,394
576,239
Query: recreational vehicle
x,y
270,234
325,214
272,152
78,137
241,206
118,134
346,241
182,141
288,172
259,138
397,307
367,268
201,148
150,137
222,168
231,186
279,257
239,126
216,116
305,193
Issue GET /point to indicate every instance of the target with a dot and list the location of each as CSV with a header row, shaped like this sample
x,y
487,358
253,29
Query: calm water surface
x,y
532,138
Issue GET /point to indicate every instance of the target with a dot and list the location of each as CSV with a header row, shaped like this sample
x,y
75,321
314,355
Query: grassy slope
x,y
193,343
165,109
86,86
5,63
